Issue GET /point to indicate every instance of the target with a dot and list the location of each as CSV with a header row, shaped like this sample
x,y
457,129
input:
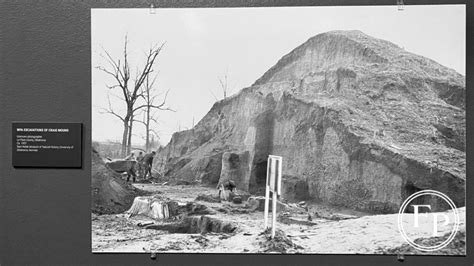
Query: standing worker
x,y
140,164
148,162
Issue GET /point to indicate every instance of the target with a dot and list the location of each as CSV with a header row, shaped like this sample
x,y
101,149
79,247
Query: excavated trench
x,y
196,225
188,218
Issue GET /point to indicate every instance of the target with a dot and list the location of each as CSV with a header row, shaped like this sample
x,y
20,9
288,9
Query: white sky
x,y
201,44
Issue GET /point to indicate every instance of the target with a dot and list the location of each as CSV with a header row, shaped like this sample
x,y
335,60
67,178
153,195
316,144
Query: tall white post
x,y
273,177
267,195
280,171
274,212
273,185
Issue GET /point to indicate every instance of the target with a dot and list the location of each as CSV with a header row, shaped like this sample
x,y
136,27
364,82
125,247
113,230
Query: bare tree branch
x,y
110,110
155,133
154,119
139,121
159,106
147,69
119,70
213,95
223,86
223,82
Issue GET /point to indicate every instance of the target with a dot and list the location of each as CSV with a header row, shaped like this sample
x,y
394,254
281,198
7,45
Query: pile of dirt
x,y
196,224
208,198
296,219
279,244
194,208
360,122
110,194
257,203
208,223
456,247
230,209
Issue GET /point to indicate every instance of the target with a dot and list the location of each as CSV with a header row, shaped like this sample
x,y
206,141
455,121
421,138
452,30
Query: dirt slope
x,y
110,194
359,121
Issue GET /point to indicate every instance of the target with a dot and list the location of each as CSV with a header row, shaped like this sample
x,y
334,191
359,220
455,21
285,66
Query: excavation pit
x,y
196,225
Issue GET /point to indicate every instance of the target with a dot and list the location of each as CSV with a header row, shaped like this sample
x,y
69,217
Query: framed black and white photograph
x,y
311,130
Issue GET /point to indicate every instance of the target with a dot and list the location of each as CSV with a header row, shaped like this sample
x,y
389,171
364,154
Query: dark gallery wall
x,y
45,75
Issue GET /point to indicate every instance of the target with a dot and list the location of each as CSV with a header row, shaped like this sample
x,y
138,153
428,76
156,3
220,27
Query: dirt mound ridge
x,y
110,194
357,53
456,247
359,121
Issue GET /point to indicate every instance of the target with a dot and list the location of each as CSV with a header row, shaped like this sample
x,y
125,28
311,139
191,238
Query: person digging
x,y
148,163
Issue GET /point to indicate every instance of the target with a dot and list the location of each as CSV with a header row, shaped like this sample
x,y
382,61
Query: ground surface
x,y
339,231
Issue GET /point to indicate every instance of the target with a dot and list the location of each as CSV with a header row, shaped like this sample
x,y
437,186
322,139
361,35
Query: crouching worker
x,y
225,188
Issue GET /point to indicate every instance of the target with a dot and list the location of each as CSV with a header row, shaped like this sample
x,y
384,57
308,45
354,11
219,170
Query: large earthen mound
x,y
110,194
359,121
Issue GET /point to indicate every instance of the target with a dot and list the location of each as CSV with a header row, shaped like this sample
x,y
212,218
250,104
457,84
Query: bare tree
x,y
223,82
130,88
150,96
224,87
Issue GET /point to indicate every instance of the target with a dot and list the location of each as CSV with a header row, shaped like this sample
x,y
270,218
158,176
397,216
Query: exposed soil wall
x,y
359,122
110,194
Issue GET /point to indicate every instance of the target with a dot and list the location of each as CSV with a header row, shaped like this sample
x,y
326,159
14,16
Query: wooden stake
x,y
280,171
267,197
274,212
273,180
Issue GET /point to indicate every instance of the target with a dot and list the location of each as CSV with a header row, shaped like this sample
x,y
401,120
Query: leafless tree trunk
x,y
131,92
147,130
150,96
125,133
130,133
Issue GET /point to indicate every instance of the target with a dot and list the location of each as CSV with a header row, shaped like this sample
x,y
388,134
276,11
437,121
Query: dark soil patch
x,y
279,244
456,247
194,208
197,224
229,209
110,194
285,219
208,198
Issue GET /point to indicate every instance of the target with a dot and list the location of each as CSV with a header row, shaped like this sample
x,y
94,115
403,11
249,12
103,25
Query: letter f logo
x,y
416,211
